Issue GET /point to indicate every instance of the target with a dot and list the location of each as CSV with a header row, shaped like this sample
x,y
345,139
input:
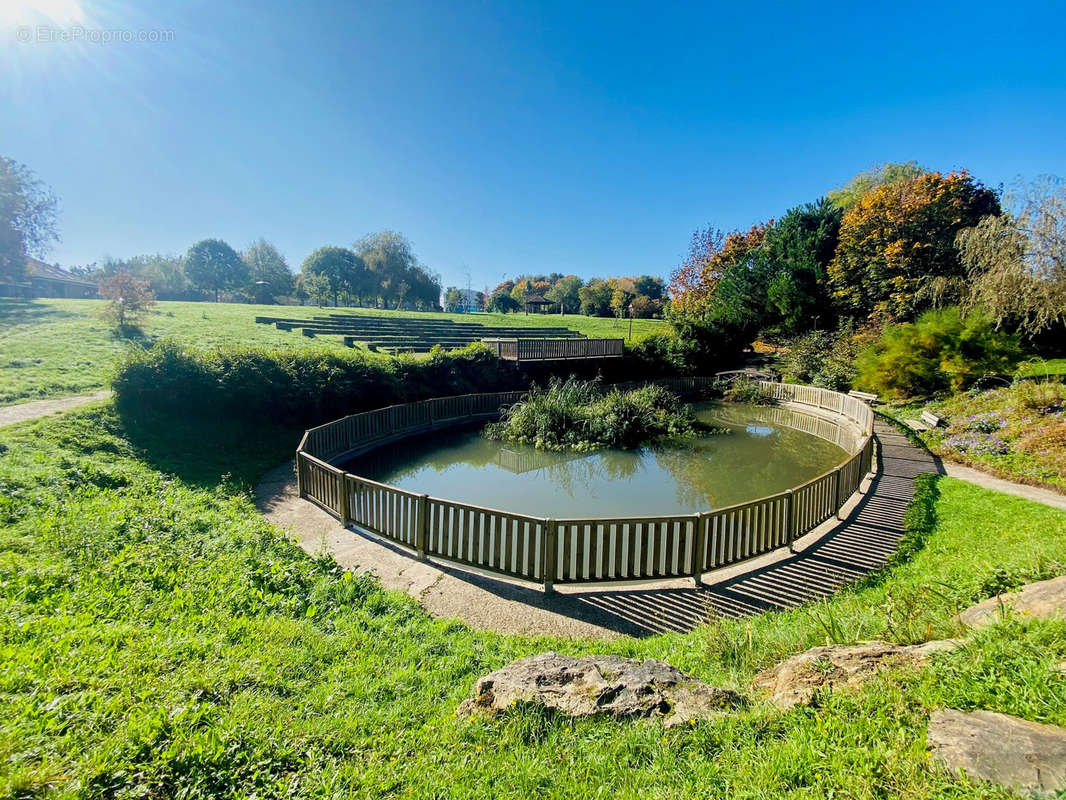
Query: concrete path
x,y
22,412
840,551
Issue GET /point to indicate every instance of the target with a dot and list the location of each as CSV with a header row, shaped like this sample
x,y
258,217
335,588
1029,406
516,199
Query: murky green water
x,y
768,450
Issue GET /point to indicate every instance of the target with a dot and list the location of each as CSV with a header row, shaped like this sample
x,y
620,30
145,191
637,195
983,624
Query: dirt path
x,y
22,412
840,551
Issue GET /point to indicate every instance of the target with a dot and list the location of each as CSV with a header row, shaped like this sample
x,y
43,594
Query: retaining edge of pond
x,y
571,550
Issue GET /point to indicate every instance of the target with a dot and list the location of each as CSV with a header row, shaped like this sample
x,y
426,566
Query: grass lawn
x,y
1039,368
51,348
160,639
1017,432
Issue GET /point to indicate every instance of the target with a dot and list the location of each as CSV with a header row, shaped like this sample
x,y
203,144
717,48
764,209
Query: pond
x,y
767,450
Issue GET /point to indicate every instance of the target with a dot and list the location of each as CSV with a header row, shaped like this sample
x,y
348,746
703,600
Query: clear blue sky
x,y
509,137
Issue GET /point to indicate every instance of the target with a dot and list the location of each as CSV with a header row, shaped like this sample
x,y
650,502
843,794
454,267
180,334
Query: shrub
x,y
1042,397
581,415
1048,445
942,350
823,358
745,390
296,388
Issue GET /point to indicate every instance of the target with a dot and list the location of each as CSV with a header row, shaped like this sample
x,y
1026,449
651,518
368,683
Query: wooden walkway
x,y
861,543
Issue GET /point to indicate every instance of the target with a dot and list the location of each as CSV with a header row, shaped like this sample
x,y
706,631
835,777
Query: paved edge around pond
x,y
23,412
838,552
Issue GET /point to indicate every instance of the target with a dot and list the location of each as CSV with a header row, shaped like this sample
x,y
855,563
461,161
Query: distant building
x,y
48,281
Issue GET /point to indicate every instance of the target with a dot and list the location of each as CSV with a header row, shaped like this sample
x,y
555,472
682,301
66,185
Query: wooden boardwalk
x,y
858,545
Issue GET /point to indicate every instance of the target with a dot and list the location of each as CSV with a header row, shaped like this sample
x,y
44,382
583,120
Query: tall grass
x,y
580,415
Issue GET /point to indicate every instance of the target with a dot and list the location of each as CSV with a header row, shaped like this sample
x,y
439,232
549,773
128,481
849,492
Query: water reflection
x,y
768,450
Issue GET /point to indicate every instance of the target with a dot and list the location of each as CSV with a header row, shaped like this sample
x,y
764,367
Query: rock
x,y
1034,600
619,687
796,680
1004,750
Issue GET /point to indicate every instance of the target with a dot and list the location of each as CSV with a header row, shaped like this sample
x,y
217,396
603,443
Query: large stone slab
x,y
1033,601
1004,750
796,680
611,685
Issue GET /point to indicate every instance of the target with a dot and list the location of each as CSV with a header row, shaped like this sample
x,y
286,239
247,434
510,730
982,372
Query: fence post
x,y
422,533
790,519
837,486
699,539
300,475
342,499
548,556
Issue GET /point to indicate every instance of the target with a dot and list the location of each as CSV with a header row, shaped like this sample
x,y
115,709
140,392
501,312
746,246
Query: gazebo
x,y
536,302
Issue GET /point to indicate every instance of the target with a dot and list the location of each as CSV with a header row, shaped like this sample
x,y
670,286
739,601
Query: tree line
x,y
380,269
893,242
641,296
903,280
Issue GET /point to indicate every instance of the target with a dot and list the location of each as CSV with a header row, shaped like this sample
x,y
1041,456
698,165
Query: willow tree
x,y
1016,261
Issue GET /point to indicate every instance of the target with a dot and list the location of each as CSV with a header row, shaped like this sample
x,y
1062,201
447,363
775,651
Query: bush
x,y
744,390
1044,397
941,351
296,388
823,358
580,415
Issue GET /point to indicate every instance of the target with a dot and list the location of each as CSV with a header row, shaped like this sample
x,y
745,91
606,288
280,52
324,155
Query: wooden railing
x,y
573,550
555,349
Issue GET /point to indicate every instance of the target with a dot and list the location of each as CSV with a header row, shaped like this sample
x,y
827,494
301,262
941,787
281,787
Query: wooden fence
x,y
555,349
550,551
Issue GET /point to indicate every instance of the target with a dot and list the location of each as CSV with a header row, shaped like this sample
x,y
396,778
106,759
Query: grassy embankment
x,y
51,348
1017,432
158,639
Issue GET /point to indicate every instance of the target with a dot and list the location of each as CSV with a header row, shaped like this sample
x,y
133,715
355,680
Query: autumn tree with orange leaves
x,y
712,252
897,254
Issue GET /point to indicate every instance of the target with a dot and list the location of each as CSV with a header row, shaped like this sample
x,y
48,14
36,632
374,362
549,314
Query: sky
x,y
505,138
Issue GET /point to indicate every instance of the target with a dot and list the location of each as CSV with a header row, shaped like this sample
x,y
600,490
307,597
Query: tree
x,y
649,286
565,294
711,253
165,273
881,175
520,290
692,283
595,298
339,266
212,266
268,271
797,251
501,301
129,297
623,291
391,262
315,286
1016,262
897,244
27,219
643,307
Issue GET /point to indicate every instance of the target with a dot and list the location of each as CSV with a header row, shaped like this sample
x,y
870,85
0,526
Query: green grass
x,y
159,639
1039,367
51,348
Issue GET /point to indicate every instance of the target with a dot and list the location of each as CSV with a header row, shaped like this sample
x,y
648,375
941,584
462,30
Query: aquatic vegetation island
x,y
584,415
